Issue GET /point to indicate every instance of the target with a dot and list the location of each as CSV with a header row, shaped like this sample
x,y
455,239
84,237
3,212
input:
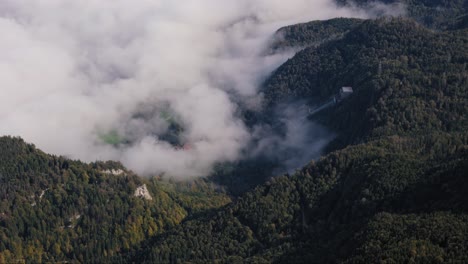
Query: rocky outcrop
x,y
143,192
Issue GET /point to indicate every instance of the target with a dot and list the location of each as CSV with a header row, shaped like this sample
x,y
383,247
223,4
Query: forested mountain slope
x,y
406,79
387,200
396,194
312,33
54,209
391,188
437,14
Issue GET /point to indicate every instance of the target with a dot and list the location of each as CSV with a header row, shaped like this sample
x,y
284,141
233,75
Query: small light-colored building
x,y
346,91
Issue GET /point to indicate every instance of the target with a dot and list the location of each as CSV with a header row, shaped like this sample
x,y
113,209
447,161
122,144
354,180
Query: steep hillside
x,y
406,79
393,65
313,33
393,199
396,194
54,209
438,14
390,189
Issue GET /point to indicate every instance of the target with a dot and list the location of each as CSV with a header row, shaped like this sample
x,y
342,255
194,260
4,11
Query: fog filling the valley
x,y
112,80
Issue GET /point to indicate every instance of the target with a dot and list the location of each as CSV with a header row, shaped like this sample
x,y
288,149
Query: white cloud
x,y
71,71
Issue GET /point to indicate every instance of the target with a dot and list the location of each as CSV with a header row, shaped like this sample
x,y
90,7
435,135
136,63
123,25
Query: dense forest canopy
x,y
54,209
394,194
437,14
390,188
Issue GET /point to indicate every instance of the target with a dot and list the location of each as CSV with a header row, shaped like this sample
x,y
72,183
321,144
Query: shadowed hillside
x,y
396,194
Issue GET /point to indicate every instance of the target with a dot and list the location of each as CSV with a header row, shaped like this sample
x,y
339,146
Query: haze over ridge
x,y
72,71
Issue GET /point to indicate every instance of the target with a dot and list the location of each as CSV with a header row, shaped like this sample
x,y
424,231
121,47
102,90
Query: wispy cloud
x,y
75,72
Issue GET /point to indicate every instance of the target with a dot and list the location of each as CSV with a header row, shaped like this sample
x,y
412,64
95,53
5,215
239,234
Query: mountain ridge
x,y
392,175
390,188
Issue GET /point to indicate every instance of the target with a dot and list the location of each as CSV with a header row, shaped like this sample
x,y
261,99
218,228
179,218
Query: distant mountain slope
x,y
313,33
406,79
381,201
438,14
394,66
397,194
392,190
54,209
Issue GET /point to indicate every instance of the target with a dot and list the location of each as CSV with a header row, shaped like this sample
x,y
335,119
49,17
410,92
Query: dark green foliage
x,y
407,79
393,190
439,14
460,23
332,210
242,176
55,209
397,195
427,238
313,33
